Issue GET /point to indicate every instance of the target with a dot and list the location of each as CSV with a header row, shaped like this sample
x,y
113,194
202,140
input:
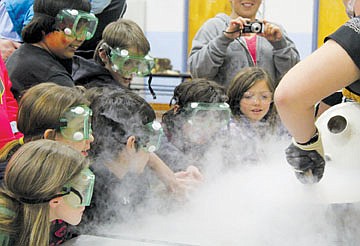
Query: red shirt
x,y
8,108
251,44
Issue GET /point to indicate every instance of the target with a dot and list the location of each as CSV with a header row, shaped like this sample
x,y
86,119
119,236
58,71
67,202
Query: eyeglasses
x,y
265,97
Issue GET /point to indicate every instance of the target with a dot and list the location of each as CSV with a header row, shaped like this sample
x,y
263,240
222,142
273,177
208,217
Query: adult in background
x,y
221,48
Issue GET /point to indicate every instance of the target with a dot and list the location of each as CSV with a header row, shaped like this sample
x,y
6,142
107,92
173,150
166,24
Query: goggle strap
x,y
150,88
38,201
77,193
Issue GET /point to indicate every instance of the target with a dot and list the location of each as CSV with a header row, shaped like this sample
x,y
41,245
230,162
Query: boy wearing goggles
x,y
123,52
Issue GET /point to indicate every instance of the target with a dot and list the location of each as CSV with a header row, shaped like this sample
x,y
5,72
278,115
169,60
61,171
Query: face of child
x,y
82,146
245,8
124,75
61,45
255,103
66,212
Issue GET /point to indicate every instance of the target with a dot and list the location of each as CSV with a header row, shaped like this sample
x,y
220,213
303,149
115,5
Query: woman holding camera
x,y
226,44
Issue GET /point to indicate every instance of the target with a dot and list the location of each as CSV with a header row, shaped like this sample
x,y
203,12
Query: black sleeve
x,y
348,37
114,11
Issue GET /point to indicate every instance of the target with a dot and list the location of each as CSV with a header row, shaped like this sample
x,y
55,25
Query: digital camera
x,y
254,27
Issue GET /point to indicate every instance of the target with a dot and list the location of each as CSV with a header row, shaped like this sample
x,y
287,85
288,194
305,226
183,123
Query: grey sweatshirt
x,y
216,57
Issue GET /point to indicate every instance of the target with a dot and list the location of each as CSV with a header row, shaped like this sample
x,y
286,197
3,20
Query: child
x,y
57,113
255,120
8,110
126,135
120,55
51,38
251,101
44,181
198,116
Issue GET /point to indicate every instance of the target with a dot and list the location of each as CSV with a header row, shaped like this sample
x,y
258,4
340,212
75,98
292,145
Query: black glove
x,y
307,160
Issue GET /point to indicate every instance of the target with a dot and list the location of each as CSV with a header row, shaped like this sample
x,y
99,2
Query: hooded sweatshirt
x,y
216,57
8,109
89,73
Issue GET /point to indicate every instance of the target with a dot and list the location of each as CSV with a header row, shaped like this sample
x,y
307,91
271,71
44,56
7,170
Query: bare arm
x,y
163,172
325,71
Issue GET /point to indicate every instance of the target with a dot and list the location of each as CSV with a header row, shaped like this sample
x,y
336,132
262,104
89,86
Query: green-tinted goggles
x,y
76,23
153,132
79,191
199,113
76,123
127,65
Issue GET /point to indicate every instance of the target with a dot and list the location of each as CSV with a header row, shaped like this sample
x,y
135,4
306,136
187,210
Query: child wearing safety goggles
x,y
56,31
44,181
251,101
199,116
122,54
255,121
56,113
126,137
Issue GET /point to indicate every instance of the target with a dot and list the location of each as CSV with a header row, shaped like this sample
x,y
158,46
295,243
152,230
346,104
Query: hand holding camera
x,y
235,27
272,32
243,26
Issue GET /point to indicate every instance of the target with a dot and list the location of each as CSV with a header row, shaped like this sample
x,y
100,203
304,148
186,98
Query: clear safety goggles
x,y
153,132
208,114
79,191
76,123
76,23
265,97
128,65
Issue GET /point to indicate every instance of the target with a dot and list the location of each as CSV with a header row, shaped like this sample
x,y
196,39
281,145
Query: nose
x,y
91,138
256,100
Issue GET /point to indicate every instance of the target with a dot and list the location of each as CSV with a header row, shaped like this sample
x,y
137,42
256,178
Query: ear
x,y
55,202
176,108
49,134
103,56
131,143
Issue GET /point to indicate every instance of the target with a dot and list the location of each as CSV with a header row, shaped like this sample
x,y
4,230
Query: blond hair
x,y
36,172
42,106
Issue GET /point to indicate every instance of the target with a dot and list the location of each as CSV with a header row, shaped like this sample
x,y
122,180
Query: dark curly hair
x,y
196,90
117,114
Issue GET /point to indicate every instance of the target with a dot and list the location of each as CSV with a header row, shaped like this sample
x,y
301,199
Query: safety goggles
x,y
265,97
129,65
76,23
208,114
79,191
75,124
153,132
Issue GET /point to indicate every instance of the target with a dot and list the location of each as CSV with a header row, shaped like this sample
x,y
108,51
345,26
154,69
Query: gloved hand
x,y
307,160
